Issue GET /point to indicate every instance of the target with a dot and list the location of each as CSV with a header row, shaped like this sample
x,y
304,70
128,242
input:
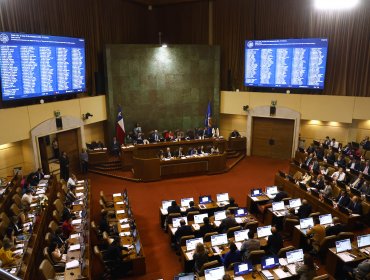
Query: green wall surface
x,y
162,88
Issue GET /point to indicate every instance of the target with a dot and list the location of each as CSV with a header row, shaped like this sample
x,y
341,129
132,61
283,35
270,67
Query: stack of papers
x,y
72,264
74,247
75,235
125,226
121,212
47,176
117,194
119,202
281,274
267,274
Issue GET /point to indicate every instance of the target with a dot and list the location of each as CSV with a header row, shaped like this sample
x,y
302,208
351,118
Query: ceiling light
x,y
164,45
335,4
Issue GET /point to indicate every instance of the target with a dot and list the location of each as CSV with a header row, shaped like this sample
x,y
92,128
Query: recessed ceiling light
x,y
335,4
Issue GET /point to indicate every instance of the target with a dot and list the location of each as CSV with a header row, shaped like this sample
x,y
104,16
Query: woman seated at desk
x,y
56,254
7,256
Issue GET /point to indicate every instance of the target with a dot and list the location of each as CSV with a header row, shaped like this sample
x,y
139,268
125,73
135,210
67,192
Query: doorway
x,y
272,137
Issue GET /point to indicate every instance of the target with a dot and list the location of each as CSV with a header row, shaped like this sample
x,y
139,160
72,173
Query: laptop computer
x,y
241,235
295,202
363,241
166,204
276,206
243,268
271,191
198,219
256,192
241,212
343,245
220,215
192,243
185,276
222,197
219,239
269,262
205,199
326,219
215,273
185,201
294,256
263,231
306,223
176,221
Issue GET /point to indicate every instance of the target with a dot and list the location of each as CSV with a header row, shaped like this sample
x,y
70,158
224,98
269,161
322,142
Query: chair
x,y
56,217
230,231
47,238
252,226
52,226
47,270
346,235
170,217
255,256
190,215
4,218
64,188
58,205
207,265
184,238
207,236
232,209
298,176
58,267
288,227
3,228
282,251
326,243
107,203
15,209
95,230
61,196
314,215
322,277
18,190
17,200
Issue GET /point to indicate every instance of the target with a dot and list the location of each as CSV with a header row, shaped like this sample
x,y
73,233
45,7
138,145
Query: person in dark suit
x,y
308,160
234,134
174,208
206,227
179,152
64,166
232,203
320,182
192,207
228,222
355,206
304,210
39,174
336,228
156,136
365,168
114,257
168,153
357,182
181,231
116,146
280,195
315,166
330,156
341,161
343,198
310,149
365,188
354,164
232,256
274,242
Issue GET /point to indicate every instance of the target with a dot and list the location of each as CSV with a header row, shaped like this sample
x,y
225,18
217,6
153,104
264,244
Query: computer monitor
x,y
185,276
263,231
305,223
269,262
256,192
343,245
241,235
219,239
243,268
166,204
276,206
215,273
295,202
192,243
205,199
176,221
222,197
326,219
294,256
220,215
363,240
185,201
272,190
198,219
241,212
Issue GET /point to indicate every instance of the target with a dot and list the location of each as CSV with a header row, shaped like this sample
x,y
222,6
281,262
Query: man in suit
x,y
156,136
249,245
315,166
366,168
168,154
357,182
355,206
232,203
320,182
304,210
336,228
274,242
308,160
206,227
64,166
192,207
116,146
354,164
179,153
365,188
181,231
343,199
339,175
316,234
39,174
174,208
341,161
234,134
280,195
228,222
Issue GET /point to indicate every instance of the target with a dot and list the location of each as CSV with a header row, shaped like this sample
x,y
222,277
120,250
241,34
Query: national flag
x,y
208,118
120,127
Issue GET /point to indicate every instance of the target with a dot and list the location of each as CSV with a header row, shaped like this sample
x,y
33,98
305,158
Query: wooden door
x,y
272,137
44,155
68,142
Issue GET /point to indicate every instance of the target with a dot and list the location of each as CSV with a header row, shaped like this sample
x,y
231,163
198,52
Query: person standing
x,y
64,166
55,146
84,157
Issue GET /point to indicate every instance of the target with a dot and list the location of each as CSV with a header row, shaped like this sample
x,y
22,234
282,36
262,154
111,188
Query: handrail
x,y
4,275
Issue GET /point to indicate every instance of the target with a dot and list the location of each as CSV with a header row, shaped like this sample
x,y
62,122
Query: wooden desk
x,y
253,201
98,156
237,144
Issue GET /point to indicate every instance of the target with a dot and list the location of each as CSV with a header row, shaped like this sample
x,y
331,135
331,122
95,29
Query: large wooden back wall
x,y
121,21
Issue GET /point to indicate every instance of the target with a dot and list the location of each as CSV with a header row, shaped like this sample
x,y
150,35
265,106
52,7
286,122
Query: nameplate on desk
x,y
80,189
74,247
281,274
72,264
75,235
125,226
121,212
238,278
76,222
119,202
117,194
125,233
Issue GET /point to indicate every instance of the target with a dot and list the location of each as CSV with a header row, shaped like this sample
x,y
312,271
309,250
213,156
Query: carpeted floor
x,y
161,261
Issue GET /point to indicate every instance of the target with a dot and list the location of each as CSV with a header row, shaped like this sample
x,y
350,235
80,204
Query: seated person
x,y
7,257
192,207
207,227
304,210
193,151
201,150
168,154
354,164
27,200
232,203
334,143
341,161
116,146
249,245
308,160
10,237
355,206
72,181
315,166
324,170
274,242
336,228
174,208
278,197
343,198
67,228
362,270
307,269
169,135
234,134
316,235
330,157
327,141
137,130
365,188
319,183
161,154
232,256
328,190
58,238
56,255
310,149
114,256
228,222
200,257
17,225
339,175
156,136
179,153
67,212
306,178
214,150
104,225
181,231
358,181
365,143
190,135
71,194
366,168
39,175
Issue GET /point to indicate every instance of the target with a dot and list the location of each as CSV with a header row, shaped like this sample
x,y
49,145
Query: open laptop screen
x,y
205,199
305,223
343,245
295,202
363,240
220,215
241,212
214,273
185,201
243,268
198,219
294,256
272,190
166,204
326,219
222,197
219,239
268,262
192,243
241,235
256,192
263,231
187,276
176,221
276,206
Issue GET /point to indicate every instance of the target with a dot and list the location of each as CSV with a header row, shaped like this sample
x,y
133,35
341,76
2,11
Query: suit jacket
x,y
357,165
173,209
304,211
365,189
230,205
335,229
343,200
279,196
177,153
320,185
183,231
205,229
355,208
357,183
274,243
227,223
192,209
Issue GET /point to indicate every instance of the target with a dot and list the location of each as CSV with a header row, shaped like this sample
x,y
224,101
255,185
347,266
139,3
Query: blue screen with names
x,y
291,63
39,65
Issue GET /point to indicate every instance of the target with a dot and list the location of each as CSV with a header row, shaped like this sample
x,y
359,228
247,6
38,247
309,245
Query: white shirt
x,y
27,198
339,177
71,182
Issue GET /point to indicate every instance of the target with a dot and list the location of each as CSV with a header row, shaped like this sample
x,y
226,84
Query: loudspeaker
x,y
59,123
99,82
272,110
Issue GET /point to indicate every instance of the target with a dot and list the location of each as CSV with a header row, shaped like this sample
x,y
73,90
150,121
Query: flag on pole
x,y
208,118
120,127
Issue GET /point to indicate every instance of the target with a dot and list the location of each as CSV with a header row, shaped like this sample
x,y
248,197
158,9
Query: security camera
x,y
245,108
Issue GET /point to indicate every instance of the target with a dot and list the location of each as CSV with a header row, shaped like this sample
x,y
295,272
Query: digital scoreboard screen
x,y
291,63
39,65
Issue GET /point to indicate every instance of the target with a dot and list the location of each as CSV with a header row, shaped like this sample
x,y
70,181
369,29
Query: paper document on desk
x,y
76,222
117,194
72,264
119,202
80,189
75,235
125,226
124,233
267,274
47,176
345,257
121,212
282,261
254,198
239,220
163,211
80,181
121,221
42,184
20,245
281,274
190,255
74,247
291,268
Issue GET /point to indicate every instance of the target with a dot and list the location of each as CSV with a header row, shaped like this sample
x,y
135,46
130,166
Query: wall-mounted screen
x,y
291,63
40,65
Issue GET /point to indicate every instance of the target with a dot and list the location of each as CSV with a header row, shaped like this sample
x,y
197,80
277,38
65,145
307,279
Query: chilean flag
x,y
208,118
120,127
